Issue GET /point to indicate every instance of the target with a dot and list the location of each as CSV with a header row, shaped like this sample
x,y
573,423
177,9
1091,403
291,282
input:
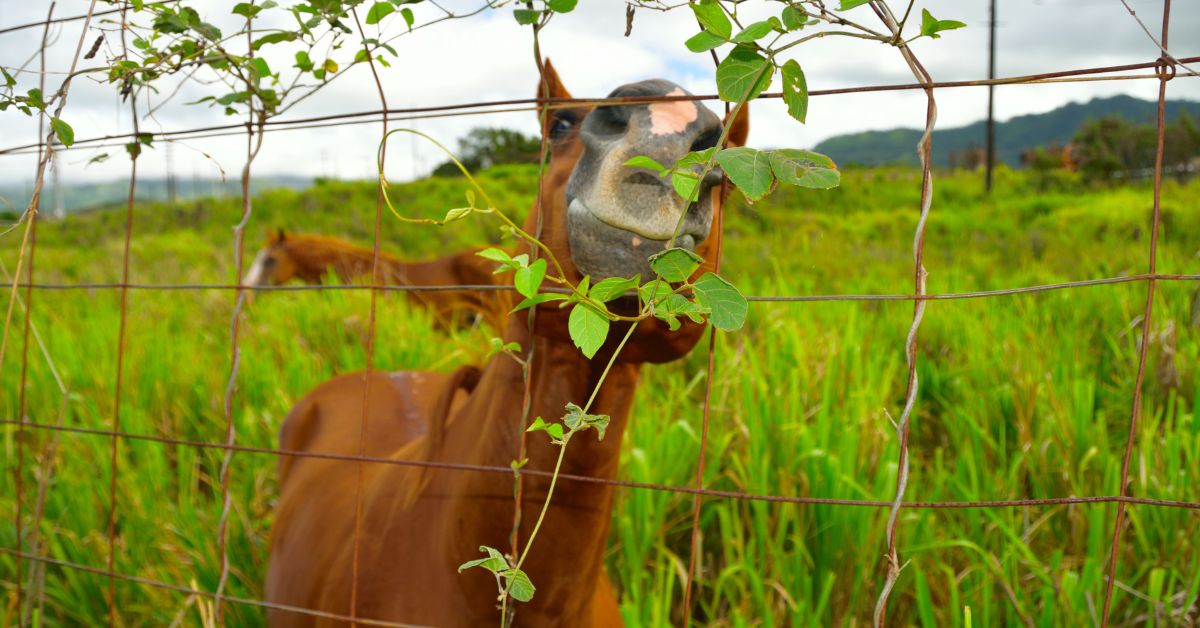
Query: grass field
x,y
1021,396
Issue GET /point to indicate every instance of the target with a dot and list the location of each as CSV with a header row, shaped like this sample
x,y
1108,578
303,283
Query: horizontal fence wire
x,y
116,575
487,107
688,490
791,298
73,18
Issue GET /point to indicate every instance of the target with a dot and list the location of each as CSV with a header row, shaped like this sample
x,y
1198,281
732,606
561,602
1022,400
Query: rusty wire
x,y
309,612
28,323
1164,72
1152,264
74,18
694,541
486,107
790,298
371,324
650,486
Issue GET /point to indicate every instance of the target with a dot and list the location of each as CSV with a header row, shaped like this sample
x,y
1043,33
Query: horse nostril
x,y
707,140
643,178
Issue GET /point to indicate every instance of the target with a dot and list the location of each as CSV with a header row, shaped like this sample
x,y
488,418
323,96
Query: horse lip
x,y
683,240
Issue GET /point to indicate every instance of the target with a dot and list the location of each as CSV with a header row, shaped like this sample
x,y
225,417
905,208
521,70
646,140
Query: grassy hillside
x,y
1021,396
1014,136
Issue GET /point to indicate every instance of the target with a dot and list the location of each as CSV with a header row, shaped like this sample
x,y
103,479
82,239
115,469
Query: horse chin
x,y
602,250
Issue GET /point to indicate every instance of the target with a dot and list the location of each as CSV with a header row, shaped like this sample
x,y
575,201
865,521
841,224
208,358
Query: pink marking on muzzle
x,y
672,117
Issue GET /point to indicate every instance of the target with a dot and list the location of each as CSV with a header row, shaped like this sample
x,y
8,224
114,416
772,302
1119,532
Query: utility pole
x,y
59,209
991,119
170,173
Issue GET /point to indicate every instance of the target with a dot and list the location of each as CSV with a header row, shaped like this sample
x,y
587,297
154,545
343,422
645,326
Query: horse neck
x,y
348,261
567,557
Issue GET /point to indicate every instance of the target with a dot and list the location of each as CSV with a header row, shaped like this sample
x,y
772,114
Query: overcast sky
x,y
489,57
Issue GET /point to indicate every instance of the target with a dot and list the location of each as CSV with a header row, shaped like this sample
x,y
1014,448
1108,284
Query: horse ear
x,y
549,85
740,129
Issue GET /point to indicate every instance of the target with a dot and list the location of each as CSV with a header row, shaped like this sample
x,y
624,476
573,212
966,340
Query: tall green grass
x,y
1021,396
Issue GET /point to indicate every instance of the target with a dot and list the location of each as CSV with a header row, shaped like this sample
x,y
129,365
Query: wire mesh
x,y
1164,71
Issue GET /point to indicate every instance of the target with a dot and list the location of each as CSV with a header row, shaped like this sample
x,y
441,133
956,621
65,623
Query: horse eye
x,y
268,262
562,124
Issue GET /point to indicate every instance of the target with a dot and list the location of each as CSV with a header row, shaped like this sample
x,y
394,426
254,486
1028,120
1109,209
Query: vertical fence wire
x,y
124,301
1166,71
371,323
22,393
925,152
694,539
253,145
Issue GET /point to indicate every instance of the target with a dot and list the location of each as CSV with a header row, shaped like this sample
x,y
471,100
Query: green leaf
x,y
675,265
208,31
9,81
743,74
273,38
642,161
407,14
526,16
685,184
538,299
518,585
260,67
793,17
749,169
303,62
725,304
499,346
555,430
598,422
457,213
529,278
495,562
804,168
850,4
496,255
588,329
931,26
246,9
34,97
613,287
713,19
795,89
676,305
703,41
330,66
63,131
562,6
656,289
379,11
754,32
576,418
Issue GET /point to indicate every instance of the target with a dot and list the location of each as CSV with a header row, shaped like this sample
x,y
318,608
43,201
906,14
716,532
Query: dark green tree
x,y
487,147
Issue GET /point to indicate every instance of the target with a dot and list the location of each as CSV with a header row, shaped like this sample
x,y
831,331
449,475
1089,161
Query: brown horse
x,y
418,524
309,258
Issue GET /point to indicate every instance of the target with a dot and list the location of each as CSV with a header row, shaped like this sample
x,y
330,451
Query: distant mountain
x,y
83,196
872,148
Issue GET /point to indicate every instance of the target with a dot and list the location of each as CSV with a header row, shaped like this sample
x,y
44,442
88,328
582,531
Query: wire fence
x,y
1164,70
